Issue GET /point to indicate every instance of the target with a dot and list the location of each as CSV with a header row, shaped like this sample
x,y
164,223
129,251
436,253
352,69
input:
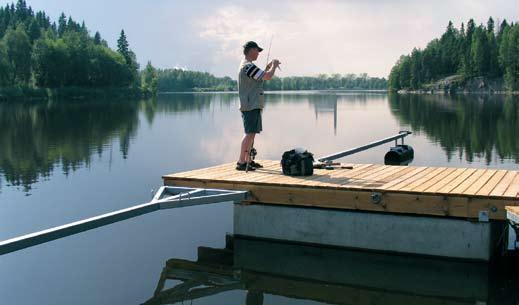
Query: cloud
x,y
232,26
312,37
309,37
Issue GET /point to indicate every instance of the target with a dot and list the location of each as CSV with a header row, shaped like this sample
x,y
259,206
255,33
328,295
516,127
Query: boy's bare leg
x,y
246,145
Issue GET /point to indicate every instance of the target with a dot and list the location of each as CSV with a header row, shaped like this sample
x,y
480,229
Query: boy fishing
x,y
252,100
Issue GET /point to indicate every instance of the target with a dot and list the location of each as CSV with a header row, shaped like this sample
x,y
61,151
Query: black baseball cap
x,y
252,44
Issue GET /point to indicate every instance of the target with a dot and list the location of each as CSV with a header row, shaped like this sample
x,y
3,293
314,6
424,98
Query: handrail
x,y
335,156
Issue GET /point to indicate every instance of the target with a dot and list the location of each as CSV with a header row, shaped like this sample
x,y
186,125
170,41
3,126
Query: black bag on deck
x,y
296,163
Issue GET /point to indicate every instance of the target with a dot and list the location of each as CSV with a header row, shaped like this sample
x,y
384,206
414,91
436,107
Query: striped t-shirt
x,y
250,86
252,71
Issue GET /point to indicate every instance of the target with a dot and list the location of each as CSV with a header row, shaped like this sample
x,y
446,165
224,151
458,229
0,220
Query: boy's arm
x,y
271,69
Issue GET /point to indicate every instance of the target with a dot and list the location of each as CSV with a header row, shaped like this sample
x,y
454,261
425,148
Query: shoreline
x,y
455,92
75,93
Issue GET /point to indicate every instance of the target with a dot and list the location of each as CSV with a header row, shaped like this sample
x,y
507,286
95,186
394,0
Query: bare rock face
x,y
483,85
456,84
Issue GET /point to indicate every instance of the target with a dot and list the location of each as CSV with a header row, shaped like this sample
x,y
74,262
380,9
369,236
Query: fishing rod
x,y
268,54
270,45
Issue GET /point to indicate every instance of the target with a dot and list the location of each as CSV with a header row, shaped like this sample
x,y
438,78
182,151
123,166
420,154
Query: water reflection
x,y
326,275
37,137
464,125
325,104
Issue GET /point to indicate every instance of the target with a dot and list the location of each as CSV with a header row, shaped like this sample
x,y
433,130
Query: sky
x,y
308,37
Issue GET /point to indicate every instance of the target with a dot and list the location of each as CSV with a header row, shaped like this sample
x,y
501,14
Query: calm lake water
x,y
65,161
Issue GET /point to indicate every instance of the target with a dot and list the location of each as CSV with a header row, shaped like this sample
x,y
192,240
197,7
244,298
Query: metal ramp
x,y
167,197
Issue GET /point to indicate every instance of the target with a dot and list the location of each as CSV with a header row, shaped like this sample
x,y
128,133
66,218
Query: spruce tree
x,y
490,25
97,38
479,52
62,24
123,47
502,26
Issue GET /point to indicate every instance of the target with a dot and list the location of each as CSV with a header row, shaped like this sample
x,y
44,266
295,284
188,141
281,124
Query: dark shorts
x,y
252,121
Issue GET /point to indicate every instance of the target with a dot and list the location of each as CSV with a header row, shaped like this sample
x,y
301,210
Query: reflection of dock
x,y
450,212
320,274
324,104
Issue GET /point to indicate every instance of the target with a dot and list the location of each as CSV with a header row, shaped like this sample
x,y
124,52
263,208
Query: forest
x,y
172,80
490,51
38,53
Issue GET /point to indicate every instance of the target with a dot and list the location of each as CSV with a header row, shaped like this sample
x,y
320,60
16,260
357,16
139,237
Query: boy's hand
x,y
276,63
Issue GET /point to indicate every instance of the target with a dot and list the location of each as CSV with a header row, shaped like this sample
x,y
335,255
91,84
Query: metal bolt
x,y
376,198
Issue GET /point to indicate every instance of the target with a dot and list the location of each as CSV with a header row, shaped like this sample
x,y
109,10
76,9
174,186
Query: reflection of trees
x,y
36,137
474,125
190,102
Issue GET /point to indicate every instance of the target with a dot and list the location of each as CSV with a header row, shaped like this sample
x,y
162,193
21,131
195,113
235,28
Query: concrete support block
x,y
436,236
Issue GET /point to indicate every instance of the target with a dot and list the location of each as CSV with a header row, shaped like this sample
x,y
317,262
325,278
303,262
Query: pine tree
x,y
22,13
494,69
34,31
479,52
97,38
416,69
62,25
449,50
123,47
490,25
502,27
509,56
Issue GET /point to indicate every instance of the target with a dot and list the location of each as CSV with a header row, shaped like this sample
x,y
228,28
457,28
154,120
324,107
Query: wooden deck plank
x,y
433,173
503,184
456,182
214,173
356,179
513,209
372,170
415,171
446,180
200,171
379,179
411,179
341,175
232,174
402,170
359,179
267,171
477,185
415,190
436,179
513,188
491,184
361,200
338,177
386,171
468,182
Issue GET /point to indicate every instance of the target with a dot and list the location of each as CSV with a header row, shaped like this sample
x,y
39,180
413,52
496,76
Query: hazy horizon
x,y
308,37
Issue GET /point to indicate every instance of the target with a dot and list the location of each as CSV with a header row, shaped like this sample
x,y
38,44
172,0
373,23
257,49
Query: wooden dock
x,y
514,210
438,191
